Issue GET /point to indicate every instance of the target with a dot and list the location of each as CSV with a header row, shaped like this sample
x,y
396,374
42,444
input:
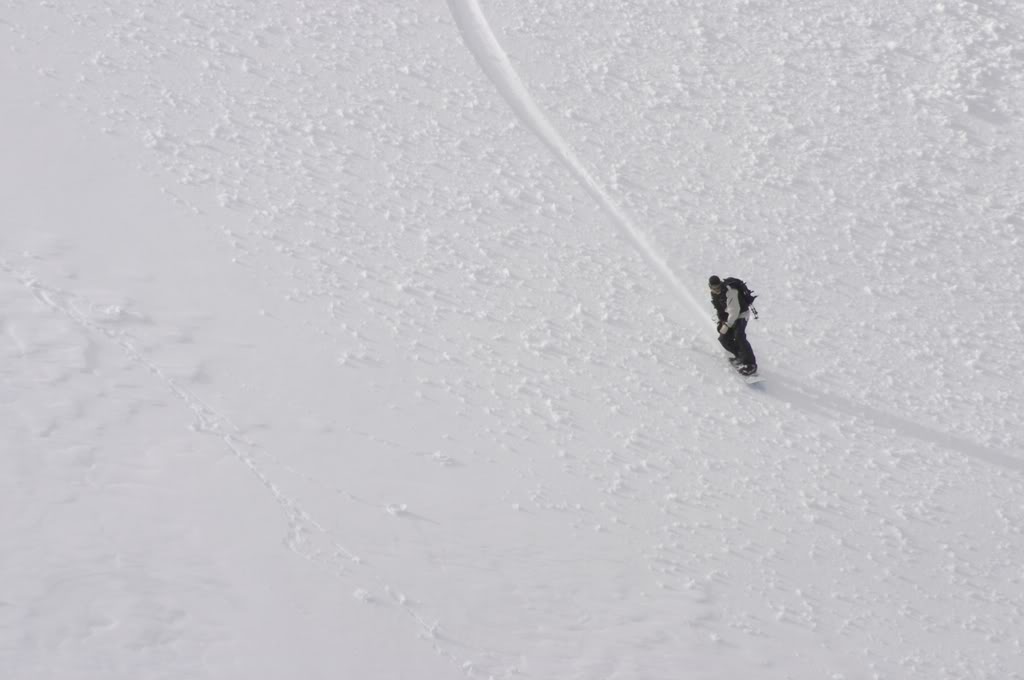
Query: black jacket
x,y
728,306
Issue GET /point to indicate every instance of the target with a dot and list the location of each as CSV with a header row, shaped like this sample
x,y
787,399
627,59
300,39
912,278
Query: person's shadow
x,y
803,397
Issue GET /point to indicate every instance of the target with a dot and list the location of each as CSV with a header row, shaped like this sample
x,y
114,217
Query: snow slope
x,y
369,340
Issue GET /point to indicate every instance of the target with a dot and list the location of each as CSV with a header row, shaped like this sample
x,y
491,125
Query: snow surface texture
x,y
370,340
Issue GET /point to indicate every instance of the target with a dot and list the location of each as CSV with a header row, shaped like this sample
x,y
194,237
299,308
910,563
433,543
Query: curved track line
x,y
494,61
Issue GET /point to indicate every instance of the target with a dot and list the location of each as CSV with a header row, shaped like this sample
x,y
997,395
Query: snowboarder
x,y
731,299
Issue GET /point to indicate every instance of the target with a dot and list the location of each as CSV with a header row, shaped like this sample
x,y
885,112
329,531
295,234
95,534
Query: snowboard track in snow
x,y
481,41
495,63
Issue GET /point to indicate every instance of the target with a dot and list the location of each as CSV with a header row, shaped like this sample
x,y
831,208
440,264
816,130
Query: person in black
x,y
732,323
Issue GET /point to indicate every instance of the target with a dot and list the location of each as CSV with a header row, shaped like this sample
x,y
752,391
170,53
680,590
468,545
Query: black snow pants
x,y
735,341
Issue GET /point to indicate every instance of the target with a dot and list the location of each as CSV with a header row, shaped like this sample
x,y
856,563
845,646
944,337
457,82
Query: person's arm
x,y
732,306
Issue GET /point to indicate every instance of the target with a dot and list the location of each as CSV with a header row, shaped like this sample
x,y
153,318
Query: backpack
x,y
747,296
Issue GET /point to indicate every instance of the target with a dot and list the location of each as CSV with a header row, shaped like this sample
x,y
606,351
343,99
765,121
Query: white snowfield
x,y
371,340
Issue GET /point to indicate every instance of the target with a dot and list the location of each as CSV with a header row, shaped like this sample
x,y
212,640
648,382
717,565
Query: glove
x,y
723,328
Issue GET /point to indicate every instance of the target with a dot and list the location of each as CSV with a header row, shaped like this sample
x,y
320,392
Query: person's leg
x,y
725,340
744,352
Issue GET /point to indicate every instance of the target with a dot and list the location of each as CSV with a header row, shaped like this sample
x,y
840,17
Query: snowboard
x,y
751,379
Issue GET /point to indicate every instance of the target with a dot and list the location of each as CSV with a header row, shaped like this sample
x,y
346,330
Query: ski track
x,y
335,557
481,41
492,58
496,64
